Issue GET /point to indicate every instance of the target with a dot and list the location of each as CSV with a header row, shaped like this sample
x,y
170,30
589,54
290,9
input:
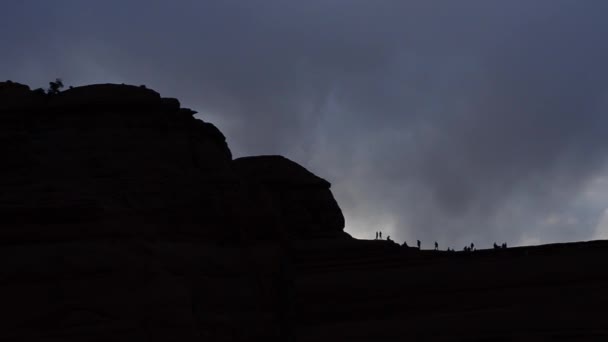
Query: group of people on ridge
x,y
379,236
469,248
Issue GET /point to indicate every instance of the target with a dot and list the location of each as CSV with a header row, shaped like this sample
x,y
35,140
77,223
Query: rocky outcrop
x,y
122,219
18,97
307,206
91,157
11,89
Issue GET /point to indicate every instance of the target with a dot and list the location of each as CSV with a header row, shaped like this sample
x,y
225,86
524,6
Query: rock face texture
x,y
122,218
121,159
306,205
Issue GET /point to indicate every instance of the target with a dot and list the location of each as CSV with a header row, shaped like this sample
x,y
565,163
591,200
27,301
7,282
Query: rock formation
x,y
306,205
108,154
122,217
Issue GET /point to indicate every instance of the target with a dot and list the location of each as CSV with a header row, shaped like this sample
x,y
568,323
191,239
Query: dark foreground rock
x,y
376,291
304,201
124,218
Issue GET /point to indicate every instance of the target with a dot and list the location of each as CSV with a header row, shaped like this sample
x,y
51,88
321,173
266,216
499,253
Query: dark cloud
x,y
459,121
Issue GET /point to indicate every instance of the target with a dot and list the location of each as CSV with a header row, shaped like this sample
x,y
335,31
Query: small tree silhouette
x,y
54,87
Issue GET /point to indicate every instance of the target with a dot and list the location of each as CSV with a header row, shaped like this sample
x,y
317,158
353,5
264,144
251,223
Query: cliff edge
x,y
123,217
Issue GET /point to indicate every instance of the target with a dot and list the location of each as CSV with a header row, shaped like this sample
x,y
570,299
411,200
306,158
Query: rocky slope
x,y
378,291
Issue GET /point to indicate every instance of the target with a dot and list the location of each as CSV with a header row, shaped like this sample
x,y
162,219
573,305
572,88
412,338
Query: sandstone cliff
x,y
122,218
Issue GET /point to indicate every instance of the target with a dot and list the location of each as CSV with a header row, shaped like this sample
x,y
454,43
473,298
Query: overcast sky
x,y
455,121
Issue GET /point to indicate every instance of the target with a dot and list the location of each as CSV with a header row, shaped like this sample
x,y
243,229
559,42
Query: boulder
x,y
307,206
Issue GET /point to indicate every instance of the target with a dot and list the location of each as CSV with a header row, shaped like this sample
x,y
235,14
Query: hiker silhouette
x,y
418,241
380,233
436,245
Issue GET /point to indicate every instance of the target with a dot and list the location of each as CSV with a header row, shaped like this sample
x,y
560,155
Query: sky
x,y
449,121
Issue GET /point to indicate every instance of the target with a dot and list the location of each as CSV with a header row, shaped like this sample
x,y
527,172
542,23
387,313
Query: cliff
x,y
122,217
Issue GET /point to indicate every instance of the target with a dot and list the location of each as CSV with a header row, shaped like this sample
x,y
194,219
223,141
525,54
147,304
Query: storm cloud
x,y
451,121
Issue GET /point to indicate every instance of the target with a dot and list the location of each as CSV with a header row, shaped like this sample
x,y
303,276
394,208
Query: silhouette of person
x,y
418,241
504,245
472,246
376,235
436,245
495,245
388,238
380,233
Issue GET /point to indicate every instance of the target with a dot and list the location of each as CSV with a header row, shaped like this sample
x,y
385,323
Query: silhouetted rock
x,y
8,88
121,219
124,218
17,96
108,166
170,104
306,204
104,96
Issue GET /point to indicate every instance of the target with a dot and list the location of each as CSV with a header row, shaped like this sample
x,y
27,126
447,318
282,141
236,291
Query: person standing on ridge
x,y
436,245
418,241
380,233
